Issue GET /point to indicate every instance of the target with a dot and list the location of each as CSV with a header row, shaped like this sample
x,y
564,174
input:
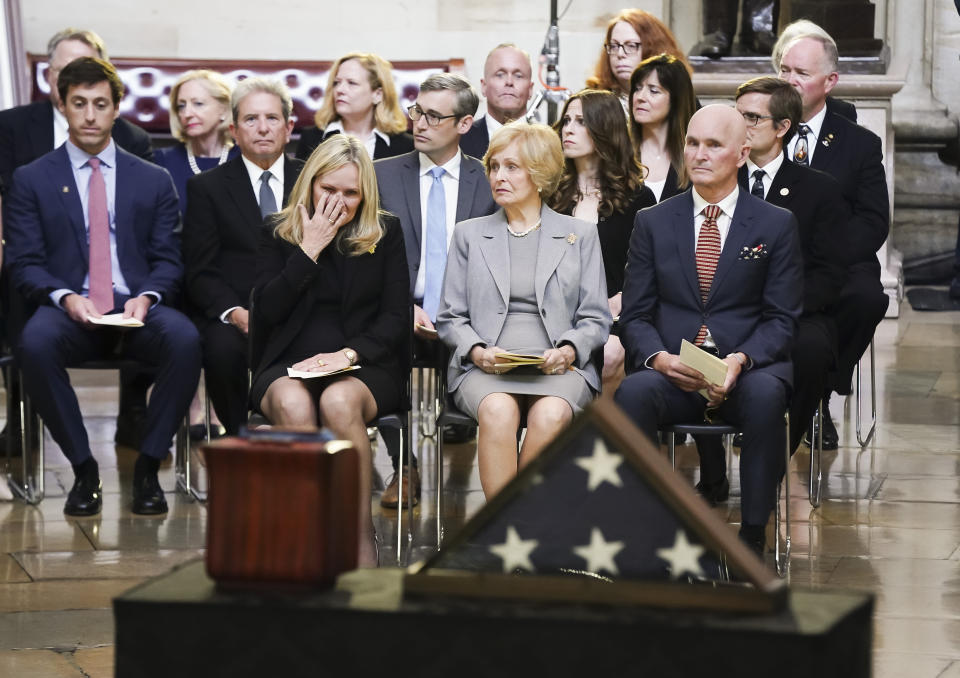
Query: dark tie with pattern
x,y
757,188
101,272
708,253
801,152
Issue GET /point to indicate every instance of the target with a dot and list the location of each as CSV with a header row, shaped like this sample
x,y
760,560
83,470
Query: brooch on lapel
x,y
572,238
827,140
784,191
66,189
758,252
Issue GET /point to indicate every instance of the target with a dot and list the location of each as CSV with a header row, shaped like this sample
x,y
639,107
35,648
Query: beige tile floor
x,y
889,523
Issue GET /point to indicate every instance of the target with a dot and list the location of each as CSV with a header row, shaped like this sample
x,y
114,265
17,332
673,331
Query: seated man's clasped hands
x,y
333,292
523,280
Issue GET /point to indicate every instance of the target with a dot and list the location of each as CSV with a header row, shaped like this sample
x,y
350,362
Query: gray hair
x,y
88,38
467,99
258,84
802,28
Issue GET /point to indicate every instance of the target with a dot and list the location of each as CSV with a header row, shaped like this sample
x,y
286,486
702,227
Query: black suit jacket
x,y
841,107
375,306
476,141
851,154
221,235
814,198
398,180
26,133
311,137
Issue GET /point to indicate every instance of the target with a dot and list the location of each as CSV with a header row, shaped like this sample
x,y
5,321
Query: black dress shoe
x,y
714,492
198,432
85,497
714,45
148,499
831,440
455,434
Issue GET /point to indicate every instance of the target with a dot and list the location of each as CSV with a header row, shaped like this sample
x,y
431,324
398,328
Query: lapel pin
x,y
784,191
66,189
572,238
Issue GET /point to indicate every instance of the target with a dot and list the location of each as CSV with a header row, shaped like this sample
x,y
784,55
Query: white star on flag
x,y
601,465
600,553
683,556
515,552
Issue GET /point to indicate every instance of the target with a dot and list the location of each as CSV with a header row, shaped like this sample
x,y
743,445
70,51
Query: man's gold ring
x,y
320,362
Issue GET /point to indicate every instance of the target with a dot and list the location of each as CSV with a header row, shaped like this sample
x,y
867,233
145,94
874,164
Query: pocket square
x,y
756,252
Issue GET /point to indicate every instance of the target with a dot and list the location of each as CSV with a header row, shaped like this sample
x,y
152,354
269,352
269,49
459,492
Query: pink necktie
x,y
101,275
708,253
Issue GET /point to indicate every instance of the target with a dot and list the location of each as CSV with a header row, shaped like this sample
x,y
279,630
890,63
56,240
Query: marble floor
x,y
889,522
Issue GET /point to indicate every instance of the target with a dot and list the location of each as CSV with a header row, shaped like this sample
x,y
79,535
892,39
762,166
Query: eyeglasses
x,y
433,120
753,119
629,48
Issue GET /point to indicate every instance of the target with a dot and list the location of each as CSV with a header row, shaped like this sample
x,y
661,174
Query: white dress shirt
x,y
370,143
275,182
60,131
451,189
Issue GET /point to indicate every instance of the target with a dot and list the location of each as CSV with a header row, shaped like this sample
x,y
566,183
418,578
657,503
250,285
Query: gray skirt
x,y
522,333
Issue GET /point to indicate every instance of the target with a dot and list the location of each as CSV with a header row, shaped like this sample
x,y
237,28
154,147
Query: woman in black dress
x,y
333,292
361,100
661,105
602,183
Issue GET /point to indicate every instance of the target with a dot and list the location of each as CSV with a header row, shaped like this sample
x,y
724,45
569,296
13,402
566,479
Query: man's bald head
x,y
716,147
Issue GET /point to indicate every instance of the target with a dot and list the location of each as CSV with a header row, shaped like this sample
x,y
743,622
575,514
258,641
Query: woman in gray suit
x,y
522,280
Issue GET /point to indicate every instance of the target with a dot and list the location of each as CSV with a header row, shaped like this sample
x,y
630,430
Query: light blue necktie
x,y
436,244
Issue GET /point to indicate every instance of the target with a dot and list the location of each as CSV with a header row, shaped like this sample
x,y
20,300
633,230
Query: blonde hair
x,y
217,87
388,117
540,151
365,231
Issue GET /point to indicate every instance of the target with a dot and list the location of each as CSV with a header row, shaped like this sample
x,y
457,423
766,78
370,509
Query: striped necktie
x,y
708,253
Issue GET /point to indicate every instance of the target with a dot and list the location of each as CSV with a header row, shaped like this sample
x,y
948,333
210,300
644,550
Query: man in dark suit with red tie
x,y
226,207
772,108
34,129
722,269
852,155
91,231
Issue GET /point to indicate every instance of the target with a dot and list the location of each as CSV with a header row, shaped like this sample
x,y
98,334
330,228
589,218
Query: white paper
x,y
115,320
300,374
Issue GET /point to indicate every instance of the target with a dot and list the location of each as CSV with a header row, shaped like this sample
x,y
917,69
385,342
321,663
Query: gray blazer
x,y
569,281
398,180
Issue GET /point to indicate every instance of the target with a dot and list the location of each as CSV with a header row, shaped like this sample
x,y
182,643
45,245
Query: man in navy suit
x,y
741,303
91,231
441,116
34,129
852,155
507,85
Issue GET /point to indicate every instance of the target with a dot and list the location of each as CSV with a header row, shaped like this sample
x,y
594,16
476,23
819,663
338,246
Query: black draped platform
x,y
180,625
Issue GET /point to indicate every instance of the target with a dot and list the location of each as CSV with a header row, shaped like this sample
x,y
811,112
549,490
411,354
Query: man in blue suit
x,y
91,232
722,269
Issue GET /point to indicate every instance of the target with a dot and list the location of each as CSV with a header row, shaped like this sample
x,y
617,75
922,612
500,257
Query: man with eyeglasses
x,y
772,109
226,208
507,85
430,190
853,156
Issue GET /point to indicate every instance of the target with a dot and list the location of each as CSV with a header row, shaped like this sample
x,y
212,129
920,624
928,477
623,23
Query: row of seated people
x,y
599,182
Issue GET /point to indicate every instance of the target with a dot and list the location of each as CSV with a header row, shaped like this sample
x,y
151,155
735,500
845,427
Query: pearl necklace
x,y
523,233
192,159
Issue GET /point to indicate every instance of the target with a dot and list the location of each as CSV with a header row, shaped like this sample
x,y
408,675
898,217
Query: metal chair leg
x,y
400,506
30,486
865,440
782,554
672,450
816,457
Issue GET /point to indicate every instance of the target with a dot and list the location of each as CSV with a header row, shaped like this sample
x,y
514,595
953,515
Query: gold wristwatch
x,y
351,355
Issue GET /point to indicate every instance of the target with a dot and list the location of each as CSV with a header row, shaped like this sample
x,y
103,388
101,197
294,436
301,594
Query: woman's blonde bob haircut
x,y
539,150
361,234
388,117
218,87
